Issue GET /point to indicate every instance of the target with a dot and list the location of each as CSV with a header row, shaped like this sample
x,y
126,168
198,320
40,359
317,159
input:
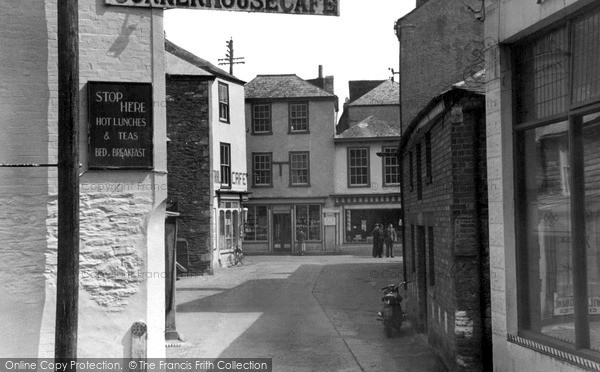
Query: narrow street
x,y
311,313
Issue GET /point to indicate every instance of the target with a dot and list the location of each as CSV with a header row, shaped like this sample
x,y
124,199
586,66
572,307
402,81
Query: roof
x,y
371,127
202,66
472,86
386,93
357,88
283,86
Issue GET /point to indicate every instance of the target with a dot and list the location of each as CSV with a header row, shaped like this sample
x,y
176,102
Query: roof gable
x,y
371,127
386,93
283,86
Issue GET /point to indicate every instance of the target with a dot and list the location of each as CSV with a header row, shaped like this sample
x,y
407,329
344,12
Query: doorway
x,y
282,231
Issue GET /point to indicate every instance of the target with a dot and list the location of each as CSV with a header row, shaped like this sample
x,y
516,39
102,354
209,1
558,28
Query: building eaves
x,y
191,58
283,87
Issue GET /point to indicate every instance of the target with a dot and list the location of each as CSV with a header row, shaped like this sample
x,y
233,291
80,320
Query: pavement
x,y
308,313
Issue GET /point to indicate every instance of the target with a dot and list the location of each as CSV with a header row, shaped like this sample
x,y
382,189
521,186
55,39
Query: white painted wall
x,y
122,212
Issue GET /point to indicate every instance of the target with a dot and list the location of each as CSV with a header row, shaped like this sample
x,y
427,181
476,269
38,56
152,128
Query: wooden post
x,y
67,281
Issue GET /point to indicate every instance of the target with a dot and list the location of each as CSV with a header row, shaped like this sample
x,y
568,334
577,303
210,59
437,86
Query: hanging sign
x,y
120,125
310,7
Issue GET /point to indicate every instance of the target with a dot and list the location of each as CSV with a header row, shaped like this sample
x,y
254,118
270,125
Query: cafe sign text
x,y
310,7
120,125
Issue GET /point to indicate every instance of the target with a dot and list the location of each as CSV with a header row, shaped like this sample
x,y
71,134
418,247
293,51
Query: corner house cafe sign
x,y
311,7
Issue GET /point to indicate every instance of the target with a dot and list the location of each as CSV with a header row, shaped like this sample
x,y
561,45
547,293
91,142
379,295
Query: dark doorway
x,y
421,278
282,231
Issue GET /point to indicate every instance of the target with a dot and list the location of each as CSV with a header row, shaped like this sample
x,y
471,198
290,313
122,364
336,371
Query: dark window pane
x,y
586,57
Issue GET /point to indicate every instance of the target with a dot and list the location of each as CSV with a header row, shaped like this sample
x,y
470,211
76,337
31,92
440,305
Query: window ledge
x,y
561,354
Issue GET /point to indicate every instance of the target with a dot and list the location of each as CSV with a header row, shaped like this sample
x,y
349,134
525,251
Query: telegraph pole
x,y
230,59
67,278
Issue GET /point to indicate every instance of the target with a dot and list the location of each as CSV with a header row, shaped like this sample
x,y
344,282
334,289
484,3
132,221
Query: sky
x,y
360,44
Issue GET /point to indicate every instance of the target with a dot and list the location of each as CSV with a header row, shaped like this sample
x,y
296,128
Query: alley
x,y
315,313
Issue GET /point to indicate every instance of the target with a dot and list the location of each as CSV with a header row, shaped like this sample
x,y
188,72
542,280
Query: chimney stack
x,y
320,71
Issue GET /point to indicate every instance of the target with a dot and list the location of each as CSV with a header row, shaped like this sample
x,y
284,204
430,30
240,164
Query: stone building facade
x,y
206,158
445,221
543,115
122,212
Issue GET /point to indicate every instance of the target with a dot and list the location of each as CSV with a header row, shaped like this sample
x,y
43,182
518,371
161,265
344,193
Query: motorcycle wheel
x,y
387,329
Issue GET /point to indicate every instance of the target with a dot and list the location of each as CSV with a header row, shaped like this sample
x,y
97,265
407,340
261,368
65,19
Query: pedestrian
x,y
390,238
381,240
377,240
302,241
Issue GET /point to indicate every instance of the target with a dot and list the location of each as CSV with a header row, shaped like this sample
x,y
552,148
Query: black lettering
x,y
217,4
228,3
301,6
257,4
313,3
271,5
243,4
286,8
183,2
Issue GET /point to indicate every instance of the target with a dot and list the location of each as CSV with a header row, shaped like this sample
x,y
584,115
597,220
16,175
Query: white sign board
x,y
308,7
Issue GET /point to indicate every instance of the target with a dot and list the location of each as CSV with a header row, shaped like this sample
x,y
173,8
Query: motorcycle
x,y
392,314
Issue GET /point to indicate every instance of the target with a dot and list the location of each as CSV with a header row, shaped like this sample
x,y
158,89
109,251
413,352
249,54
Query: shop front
x,y
275,228
229,217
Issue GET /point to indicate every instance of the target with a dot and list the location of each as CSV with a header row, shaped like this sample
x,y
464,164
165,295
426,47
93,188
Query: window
x,y
298,117
431,254
391,171
558,175
225,165
428,165
308,218
261,119
358,166
257,224
299,169
410,171
262,169
224,102
419,174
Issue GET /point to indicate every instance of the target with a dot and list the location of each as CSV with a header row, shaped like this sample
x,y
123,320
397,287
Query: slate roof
x,y
194,60
357,88
371,127
386,93
283,86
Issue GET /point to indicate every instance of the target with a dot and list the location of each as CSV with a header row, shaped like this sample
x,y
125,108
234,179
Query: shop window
x,y
225,165
224,102
308,219
298,117
261,119
299,169
262,171
359,223
391,170
558,174
226,228
358,167
257,224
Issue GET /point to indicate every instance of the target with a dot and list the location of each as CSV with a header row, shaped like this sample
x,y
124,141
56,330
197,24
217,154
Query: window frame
x,y
269,120
269,170
224,114
385,167
291,170
308,228
290,119
253,209
225,166
572,114
349,167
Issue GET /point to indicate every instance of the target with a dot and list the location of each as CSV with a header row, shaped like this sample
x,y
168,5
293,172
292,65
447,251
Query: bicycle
x,y
237,257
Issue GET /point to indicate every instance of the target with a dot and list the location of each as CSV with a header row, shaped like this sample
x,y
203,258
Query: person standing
x,y
390,238
378,240
302,241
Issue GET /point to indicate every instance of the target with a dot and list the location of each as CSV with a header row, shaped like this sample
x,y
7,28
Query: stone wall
x,y
189,164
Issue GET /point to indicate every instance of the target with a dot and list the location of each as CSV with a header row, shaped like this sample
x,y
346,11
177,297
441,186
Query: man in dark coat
x,y
377,241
